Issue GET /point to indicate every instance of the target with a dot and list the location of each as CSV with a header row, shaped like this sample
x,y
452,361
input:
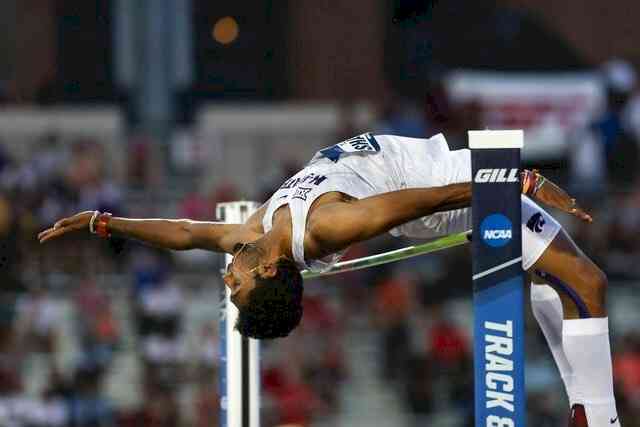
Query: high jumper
x,y
372,184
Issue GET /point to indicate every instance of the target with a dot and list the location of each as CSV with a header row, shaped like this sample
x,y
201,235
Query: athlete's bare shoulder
x,y
321,208
321,216
221,237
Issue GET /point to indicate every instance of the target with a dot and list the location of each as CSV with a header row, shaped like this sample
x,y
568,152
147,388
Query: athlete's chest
x,y
282,219
282,215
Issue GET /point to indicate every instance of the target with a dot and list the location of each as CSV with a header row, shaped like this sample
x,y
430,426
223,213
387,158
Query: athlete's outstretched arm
x,y
335,226
340,224
176,234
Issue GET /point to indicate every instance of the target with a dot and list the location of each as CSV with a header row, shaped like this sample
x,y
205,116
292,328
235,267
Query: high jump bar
x,y
446,242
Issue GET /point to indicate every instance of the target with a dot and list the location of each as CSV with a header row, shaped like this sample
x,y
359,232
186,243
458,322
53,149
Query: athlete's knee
x,y
594,284
600,284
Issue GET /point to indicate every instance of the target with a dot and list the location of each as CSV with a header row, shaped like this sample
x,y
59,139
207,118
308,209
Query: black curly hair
x,y
274,305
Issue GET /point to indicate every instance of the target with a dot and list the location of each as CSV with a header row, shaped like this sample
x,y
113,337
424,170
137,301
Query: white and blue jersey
x,y
367,165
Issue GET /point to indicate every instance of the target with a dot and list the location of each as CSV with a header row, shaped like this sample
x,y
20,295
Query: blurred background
x,y
162,108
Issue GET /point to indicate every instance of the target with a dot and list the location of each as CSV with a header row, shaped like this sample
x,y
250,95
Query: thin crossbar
x,y
392,256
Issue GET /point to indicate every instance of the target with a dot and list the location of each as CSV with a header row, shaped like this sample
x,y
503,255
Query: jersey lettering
x,y
312,179
302,193
364,143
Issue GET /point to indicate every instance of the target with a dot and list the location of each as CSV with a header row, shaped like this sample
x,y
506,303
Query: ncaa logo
x,y
496,230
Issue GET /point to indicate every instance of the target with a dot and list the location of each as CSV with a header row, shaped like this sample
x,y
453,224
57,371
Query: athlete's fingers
x,y
52,233
43,233
42,236
576,210
581,214
586,217
63,222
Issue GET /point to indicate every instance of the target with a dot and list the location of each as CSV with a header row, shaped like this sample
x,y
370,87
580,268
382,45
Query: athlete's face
x,y
241,271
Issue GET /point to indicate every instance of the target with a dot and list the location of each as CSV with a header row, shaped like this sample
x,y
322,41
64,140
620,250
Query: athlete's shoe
x,y
578,418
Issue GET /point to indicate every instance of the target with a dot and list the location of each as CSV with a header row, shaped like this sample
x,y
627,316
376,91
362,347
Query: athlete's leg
x,y
581,286
547,310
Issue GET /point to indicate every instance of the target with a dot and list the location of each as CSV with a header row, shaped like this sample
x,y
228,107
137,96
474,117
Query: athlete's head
x,y
268,294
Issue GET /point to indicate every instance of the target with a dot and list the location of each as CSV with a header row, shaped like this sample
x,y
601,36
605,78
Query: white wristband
x,y
93,219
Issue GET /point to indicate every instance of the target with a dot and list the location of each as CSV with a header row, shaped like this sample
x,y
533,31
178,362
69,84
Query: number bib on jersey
x,y
358,144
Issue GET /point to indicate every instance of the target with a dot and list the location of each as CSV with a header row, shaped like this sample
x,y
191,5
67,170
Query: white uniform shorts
x,y
538,227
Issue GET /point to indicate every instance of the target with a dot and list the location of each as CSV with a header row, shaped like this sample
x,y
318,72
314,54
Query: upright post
x,y
498,295
239,356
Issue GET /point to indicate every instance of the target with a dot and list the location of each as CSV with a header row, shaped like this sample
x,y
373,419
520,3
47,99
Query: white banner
x,y
548,106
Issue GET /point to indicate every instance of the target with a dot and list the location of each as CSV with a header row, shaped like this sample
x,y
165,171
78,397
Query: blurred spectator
x,y
208,348
224,192
622,151
392,308
587,166
88,407
160,407
201,205
139,167
38,321
449,353
13,407
9,245
626,369
542,411
196,206
297,402
98,330
451,119
207,403
448,344
321,333
631,113
148,269
161,311
88,181
605,152
401,117
419,389
624,224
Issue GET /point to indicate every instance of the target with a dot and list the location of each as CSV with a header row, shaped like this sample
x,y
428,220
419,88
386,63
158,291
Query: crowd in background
x,y
103,333
116,333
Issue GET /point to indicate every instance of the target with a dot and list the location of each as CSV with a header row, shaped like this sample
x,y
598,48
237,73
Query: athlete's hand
x,y
76,222
552,195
